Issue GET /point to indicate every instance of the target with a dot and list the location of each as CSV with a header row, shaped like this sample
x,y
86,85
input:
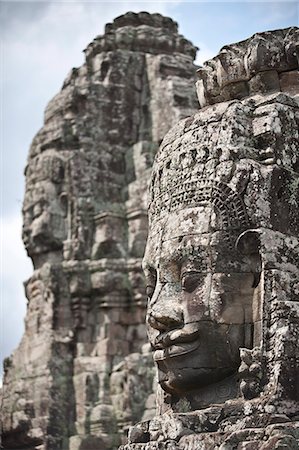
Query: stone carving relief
x,y
85,219
44,227
221,260
202,289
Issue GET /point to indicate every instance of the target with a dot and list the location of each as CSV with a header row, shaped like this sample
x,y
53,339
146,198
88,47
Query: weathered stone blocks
x,y
267,62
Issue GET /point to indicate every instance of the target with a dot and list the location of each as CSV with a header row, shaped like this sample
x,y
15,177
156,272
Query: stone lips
x,y
175,350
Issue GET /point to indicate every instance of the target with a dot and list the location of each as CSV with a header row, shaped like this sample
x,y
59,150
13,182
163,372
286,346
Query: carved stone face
x,y
43,228
200,301
43,211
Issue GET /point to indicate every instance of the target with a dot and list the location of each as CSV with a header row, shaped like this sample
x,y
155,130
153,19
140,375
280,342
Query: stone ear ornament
x,y
248,243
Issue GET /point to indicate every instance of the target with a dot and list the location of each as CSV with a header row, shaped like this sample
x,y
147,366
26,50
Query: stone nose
x,y
165,318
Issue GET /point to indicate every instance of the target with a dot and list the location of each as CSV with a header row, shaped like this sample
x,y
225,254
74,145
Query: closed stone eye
x,y
190,281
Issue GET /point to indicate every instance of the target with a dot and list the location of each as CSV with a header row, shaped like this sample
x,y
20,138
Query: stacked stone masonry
x,y
83,372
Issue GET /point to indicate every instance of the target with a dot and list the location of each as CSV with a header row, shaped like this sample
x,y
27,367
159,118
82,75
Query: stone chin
x,y
41,243
188,367
183,380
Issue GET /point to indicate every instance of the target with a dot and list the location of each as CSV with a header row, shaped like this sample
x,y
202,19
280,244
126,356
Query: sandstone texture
x,y
83,371
222,258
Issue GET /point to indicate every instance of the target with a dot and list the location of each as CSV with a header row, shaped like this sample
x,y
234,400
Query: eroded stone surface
x,y
79,377
222,258
266,62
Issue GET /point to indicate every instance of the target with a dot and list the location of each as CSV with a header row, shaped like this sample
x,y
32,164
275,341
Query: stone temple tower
x,y
81,374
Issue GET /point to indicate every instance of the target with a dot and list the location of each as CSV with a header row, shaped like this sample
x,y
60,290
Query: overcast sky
x,y
40,42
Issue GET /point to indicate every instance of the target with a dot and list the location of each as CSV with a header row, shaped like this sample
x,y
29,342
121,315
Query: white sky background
x,y
40,42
